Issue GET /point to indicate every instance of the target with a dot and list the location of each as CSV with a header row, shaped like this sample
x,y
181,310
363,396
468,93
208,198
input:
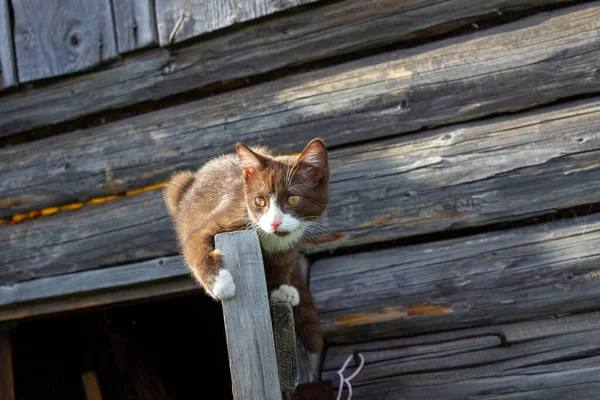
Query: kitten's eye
x,y
293,200
259,201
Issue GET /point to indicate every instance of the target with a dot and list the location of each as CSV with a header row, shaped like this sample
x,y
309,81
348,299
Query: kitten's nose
x,y
275,225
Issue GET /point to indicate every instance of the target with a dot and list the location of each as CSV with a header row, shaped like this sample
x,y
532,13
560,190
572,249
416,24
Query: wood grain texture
x,y
551,359
284,334
247,316
118,278
8,72
507,168
135,24
374,97
58,37
153,291
7,389
203,16
288,40
514,275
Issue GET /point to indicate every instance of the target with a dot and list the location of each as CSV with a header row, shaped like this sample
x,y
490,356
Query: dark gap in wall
x,y
167,349
416,39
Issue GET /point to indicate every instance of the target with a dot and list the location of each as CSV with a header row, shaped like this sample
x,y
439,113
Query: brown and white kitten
x,y
277,196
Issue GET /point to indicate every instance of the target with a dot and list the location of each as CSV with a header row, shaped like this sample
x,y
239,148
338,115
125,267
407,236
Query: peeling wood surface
x,y
506,168
8,72
496,277
203,16
553,359
135,24
58,37
288,40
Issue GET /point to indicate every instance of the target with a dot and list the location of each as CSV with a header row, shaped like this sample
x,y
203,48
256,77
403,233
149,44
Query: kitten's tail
x,y
306,318
176,188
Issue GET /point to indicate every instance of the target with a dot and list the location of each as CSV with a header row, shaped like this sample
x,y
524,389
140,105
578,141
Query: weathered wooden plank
x,y
98,299
333,29
7,389
117,278
490,278
374,97
135,24
247,317
57,37
8,73
548,359
179,20
507,168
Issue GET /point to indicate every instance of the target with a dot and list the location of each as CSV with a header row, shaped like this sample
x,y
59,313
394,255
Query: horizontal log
x,y
507,168
495,277
117,278
379,96
553,359
315,34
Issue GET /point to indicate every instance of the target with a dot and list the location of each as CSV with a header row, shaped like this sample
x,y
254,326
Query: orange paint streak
x,y
17,218
380,221
100,200
392,313
428,309
145,189
50,211
73,206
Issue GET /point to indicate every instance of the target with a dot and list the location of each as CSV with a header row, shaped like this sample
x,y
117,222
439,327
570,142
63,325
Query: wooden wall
x,y
464,148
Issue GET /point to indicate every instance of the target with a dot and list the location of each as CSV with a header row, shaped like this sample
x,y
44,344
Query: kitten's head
x,y
284,194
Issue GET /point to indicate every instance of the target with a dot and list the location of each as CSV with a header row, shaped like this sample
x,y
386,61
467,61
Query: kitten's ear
x,y
248,158
250,161
314,154
313,160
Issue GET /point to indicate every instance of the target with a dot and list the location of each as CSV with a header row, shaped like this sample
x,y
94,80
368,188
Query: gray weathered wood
x,y
248,324
189,18
507,168
135,24
374,97
152,291
284,334
117,278
495,277
7,389
550,359
57,37
333,29
8,73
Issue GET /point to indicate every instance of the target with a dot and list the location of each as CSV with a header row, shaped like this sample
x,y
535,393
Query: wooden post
x,y
7,391
248,325
91,387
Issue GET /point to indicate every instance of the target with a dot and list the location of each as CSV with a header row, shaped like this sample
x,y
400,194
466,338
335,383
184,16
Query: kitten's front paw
x,y
223,288
285,293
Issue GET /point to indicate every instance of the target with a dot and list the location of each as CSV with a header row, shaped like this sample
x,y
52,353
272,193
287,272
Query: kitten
x,y
277,196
